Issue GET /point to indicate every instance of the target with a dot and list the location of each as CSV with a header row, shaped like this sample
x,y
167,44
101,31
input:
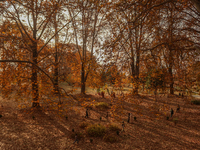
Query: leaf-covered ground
x,y
151,130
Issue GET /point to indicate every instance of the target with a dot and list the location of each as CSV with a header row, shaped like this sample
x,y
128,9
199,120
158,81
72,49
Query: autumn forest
x,y
102,59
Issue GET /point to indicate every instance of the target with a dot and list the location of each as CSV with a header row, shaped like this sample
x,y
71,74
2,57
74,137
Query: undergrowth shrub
x,y
195,102
102,105
113,127
96,130
134,93
110,138
83,125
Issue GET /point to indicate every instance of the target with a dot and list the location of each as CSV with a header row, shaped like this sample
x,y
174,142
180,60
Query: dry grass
x,y
151,130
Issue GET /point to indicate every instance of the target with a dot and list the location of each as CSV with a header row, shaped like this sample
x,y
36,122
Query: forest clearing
x,y
151,129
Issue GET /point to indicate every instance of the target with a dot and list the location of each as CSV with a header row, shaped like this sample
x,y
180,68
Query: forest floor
x,y
151,130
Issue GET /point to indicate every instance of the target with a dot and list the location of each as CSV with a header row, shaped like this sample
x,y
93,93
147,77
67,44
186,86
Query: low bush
x,y
102,105
96,130
83,125
113,127
195,102
110,138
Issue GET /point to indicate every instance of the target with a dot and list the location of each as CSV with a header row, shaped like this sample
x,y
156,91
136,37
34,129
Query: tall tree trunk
x,y
82,79
56,71
3,65
132,63
137,72
2,56
3,80
137,41
34,79
132,69
171,75
171,53
56,91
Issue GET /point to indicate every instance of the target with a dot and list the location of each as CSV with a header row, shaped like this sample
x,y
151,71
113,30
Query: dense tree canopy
x,y
91,43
